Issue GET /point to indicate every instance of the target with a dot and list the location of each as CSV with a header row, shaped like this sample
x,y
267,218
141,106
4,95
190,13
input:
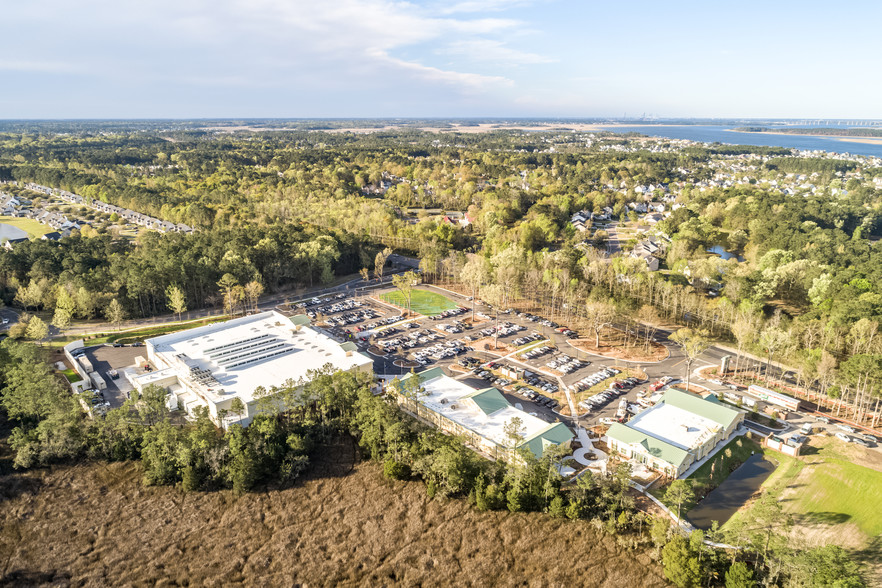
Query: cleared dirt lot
x,y
96,525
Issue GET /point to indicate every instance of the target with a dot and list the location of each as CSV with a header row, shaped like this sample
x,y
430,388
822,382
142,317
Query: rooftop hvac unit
x,y
443,401
452,407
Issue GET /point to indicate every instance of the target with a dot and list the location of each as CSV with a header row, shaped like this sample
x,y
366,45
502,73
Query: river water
x,y
731,495
724,134
10,232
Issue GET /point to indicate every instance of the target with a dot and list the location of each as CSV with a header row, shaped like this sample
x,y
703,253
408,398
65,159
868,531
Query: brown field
x,y
95,525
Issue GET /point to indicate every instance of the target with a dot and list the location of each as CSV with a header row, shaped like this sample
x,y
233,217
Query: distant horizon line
x,y
649,120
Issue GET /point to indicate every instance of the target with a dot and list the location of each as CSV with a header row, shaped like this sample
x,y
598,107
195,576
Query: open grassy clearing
x,y
833,492
421,301
33,228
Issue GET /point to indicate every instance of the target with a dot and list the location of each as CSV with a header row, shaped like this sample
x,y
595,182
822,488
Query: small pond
x,y
731,495
726,255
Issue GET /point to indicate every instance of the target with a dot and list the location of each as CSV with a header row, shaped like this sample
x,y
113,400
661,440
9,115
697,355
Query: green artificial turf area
x,y
421,301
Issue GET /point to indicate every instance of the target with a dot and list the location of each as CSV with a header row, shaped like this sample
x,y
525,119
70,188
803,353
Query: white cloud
x,y
468,80
481,6
495,52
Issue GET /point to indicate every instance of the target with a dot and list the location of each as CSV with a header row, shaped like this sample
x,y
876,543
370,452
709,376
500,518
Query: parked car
x,y
844,437
822,419
846,428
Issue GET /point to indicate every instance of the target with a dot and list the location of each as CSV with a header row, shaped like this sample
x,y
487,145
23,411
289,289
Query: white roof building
x,y
211,365
481,416
680,430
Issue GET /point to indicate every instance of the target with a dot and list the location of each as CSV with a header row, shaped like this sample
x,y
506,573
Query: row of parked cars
x,y
594,379
350,318
566,364
537,352
453,328
409,340
380,323
440,351
448,313
534,336
601,399
536,397
855,436
320,300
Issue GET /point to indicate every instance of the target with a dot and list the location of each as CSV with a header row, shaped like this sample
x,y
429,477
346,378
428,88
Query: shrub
x,y
396,470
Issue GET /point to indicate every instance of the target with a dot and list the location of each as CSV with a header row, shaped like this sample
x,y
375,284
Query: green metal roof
x,y
300,320
425,375
708,409
553,434
489,400
654,447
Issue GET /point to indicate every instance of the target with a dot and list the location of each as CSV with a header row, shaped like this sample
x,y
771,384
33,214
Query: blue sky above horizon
x,y
432,58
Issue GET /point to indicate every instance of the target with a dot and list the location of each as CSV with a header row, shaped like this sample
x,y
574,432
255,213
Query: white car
x,y
844,437
5,321
847,429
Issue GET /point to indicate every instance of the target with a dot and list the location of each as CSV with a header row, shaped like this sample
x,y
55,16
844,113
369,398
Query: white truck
x,y
87,365
97,381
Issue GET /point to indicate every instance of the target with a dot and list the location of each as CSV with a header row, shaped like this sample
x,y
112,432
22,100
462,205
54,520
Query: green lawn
x,y
826,489
29,225
71,375
147,332
422,301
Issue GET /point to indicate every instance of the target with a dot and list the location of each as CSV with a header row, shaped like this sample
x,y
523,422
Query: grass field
x,y
30,226
421,301
833,492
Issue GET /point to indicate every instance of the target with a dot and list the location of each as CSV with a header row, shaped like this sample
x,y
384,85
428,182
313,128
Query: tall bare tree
x,y
693,342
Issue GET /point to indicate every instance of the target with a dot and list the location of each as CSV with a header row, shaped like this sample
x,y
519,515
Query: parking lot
x,y
105,358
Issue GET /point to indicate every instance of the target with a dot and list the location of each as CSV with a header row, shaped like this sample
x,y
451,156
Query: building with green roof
x,y
675,433
481,417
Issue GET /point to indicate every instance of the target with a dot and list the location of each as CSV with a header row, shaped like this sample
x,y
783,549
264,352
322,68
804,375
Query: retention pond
x,y
733,493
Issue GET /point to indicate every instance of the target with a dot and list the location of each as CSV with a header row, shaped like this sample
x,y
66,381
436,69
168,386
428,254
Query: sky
x,y
434,58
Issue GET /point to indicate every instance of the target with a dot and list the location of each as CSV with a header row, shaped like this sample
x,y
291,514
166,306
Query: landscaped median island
x,y
617,344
